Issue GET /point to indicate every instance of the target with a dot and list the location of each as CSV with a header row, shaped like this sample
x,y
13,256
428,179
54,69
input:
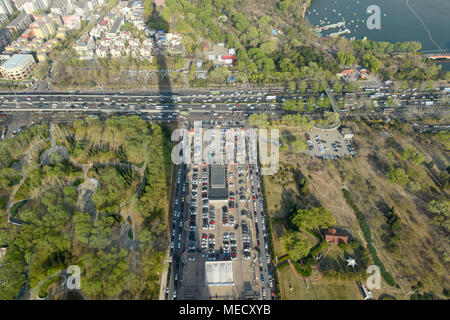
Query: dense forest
x,y
76,207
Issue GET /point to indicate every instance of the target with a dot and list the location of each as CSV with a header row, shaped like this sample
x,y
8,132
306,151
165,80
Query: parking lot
x,y
329,145
218,231
218,226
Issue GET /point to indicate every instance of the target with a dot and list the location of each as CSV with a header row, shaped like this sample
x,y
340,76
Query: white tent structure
x,y
219,273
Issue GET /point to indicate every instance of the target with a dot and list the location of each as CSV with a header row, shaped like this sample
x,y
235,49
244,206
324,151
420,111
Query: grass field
x,y
365,178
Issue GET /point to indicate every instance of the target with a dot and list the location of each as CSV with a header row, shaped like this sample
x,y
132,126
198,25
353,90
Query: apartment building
x,y
20,23
18,67
7,7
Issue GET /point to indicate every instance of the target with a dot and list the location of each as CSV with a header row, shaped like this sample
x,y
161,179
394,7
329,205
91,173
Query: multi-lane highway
x,y
245,102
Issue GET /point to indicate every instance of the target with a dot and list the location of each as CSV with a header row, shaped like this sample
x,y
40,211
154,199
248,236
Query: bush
x,y
354,244
305,269
343,245
323,245
43,289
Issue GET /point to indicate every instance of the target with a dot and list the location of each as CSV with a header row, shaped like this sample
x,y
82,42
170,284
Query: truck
x,y
429,103
271,98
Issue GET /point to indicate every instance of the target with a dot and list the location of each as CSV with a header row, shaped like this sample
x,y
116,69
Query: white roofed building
x,y
219,273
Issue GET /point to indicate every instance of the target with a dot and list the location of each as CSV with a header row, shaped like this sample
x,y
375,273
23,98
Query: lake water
x,y
398,22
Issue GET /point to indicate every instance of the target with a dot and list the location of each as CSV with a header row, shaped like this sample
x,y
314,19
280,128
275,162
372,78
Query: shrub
x,y
304,269
354,244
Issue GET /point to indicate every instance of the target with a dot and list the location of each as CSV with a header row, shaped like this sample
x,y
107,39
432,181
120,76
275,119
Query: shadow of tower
x,y
164,85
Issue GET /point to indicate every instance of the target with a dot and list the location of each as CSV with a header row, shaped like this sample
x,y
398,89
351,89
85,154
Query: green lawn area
x,y
322,289
15,208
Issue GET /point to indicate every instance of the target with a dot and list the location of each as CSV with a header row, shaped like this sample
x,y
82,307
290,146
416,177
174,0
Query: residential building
x,y
72,22
115,28
4,19
85,46
4,37
44,27
33,6
28,34
7,7
18,67
335,237
346,72
20,23
62,7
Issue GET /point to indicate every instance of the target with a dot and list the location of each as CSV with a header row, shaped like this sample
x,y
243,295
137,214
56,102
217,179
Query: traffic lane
x,y
261,238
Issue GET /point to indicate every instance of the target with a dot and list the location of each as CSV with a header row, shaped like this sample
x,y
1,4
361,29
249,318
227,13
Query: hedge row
x,y
368,236
322,244
305,270
283,258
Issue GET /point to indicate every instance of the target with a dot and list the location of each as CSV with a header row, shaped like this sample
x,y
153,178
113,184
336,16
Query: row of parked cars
x,y
245,240
177,228
229,246
227,219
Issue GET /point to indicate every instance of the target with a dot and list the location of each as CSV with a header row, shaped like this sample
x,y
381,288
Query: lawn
x,y
365,178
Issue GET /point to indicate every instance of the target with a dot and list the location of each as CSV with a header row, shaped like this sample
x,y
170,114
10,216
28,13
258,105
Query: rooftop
x,y
16,60
217,176
18,19
219,273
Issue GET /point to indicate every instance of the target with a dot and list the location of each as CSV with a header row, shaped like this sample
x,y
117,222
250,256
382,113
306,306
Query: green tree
x,y
441,210
296,244
398,176
345,58
371,63
258,119
284,4
310,219
411,154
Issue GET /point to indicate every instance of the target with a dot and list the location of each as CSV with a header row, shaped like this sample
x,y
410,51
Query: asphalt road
x,y
178,241
169,106
260,228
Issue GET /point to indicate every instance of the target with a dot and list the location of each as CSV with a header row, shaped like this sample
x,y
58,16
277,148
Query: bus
x,y
276,90
214,92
